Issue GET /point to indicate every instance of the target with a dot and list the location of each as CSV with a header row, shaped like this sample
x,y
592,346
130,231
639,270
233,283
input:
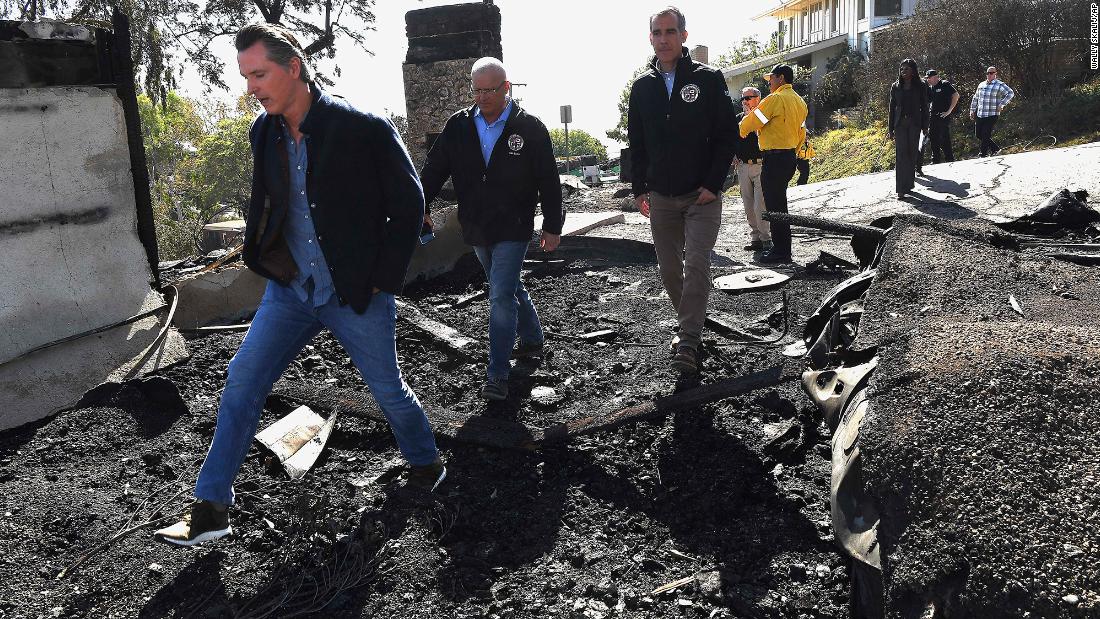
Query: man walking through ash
x,y
502,163
680,127
335,212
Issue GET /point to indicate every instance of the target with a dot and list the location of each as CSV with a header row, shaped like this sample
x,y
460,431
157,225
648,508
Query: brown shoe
x,y
686,360
427,477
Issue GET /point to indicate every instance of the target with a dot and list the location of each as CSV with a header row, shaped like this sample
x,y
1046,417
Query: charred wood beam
x,y
676,402
821,223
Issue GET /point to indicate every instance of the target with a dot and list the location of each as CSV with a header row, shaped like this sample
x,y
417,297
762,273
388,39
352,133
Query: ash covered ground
x,y
729,498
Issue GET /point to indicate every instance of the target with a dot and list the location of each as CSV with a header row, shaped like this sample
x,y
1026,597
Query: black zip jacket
x,y
681,143
497,202
746,148
366,201
920,94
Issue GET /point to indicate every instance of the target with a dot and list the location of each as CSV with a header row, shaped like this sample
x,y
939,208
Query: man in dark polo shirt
x,y
944,99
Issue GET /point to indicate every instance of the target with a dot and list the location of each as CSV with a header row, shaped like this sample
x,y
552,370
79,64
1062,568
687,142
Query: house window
x,y
779,34
805,26
885,8
862,9
816,15
835,22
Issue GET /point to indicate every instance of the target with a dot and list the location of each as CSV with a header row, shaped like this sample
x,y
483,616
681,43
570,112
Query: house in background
x,y
811,32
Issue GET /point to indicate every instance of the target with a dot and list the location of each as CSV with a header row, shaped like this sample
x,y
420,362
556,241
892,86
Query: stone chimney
x,y
444,43
700,53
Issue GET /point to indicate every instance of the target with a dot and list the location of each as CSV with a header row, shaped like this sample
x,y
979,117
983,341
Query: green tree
x,y
200,165
618,133
840,86
170,131
217,178
580,143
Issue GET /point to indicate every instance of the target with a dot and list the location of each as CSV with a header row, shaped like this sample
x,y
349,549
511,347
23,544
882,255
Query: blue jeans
x,y
282,327
510,307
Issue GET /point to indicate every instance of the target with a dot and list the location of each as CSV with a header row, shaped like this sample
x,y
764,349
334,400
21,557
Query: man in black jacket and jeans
x,y
681,130
502,164
334,216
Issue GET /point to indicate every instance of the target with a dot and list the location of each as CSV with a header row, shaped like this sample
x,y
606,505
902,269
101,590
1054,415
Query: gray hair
x,y
752,89
488,64
281,46
681,21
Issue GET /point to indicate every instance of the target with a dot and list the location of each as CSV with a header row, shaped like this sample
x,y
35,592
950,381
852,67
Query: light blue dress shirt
x,y
670,79
301,237
489,133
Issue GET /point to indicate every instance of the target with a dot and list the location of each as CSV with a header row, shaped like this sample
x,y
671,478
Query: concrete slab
x,y
54,379
68,224
73,260
229,294
441,254
580,223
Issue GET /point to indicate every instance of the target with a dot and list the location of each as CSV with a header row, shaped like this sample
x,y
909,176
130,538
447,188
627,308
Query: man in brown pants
x,y
681,130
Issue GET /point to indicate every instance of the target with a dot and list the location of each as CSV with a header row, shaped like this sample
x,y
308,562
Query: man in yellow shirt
x,y
779,121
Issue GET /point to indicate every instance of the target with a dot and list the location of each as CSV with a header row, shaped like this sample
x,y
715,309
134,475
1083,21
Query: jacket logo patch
x,y
689,93
515,142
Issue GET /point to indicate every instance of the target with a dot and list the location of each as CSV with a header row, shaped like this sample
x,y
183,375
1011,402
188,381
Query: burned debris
x,y
920,445
946,403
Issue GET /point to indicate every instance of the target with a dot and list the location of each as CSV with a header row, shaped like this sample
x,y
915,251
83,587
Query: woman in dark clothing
x,y
908,117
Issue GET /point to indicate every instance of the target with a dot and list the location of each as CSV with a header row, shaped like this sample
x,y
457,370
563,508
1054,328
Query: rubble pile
x,y
978,439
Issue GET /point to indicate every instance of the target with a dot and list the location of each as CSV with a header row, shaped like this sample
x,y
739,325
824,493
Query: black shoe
x,y
686,360
203,522
527,349
427,477
495,389
755,246
775,257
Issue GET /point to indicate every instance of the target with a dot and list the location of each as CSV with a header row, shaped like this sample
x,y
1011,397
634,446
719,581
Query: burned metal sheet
x,y
755,280
831,389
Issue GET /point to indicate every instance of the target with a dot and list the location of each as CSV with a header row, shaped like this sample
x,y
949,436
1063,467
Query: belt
x,y
752,161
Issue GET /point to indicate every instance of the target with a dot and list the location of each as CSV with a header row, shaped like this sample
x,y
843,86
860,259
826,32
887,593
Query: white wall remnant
x,y
69,243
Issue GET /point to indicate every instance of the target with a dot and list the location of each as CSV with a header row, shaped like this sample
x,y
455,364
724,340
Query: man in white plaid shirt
x,y
989,99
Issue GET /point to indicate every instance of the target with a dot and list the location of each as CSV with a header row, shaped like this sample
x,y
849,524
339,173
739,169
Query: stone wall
x,y
444,43
434,91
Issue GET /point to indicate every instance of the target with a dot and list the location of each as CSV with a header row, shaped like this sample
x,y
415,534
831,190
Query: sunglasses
x,y
991,73
750,97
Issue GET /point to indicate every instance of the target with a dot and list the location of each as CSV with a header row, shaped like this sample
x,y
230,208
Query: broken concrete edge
x,y
79,367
